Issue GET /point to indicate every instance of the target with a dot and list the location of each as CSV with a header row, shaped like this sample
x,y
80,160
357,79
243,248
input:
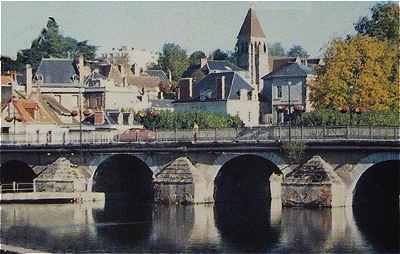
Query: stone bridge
x,y
315,173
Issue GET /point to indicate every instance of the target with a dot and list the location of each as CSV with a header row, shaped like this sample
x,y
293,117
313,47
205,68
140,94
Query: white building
x,y
226,93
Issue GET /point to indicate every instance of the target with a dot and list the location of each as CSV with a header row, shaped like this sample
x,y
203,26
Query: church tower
x,y
252,49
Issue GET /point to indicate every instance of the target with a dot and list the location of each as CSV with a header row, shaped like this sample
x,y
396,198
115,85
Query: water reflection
x,y
123,225
246,227
380,226
113,227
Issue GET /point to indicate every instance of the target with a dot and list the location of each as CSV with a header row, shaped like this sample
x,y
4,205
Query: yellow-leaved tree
x,y
360,73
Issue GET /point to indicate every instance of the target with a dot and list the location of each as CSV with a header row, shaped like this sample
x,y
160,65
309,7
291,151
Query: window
x,y
249,116
279,92
58,98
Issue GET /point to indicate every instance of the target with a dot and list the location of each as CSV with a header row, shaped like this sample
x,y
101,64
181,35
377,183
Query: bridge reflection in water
x,y
106,227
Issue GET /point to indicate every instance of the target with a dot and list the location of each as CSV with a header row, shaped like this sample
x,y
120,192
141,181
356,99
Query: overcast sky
x,y
193,25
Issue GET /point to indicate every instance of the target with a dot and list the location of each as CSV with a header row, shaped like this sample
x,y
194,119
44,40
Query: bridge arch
x,y
366,171
245,177
16,171
123,176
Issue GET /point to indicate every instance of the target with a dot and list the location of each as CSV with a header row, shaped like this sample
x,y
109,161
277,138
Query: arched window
x,y
265,48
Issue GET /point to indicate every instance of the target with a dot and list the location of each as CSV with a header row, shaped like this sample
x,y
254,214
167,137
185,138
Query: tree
x,y
196,57
297,51
276,49
51,43
359,73
173,58
383,24
219,54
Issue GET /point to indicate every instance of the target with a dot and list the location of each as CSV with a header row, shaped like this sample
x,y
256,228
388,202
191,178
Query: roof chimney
x,y
185,88
221,88
99,118
28,80
203,61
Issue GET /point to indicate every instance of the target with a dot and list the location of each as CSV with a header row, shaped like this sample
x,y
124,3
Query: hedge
x,y
333,118
186,120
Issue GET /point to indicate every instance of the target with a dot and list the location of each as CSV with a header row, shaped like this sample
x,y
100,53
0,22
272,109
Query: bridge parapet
x,y
260,134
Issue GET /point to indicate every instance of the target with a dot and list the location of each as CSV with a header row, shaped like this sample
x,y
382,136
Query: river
x,y
112,227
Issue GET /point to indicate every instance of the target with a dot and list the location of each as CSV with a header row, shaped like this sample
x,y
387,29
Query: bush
x,y
334,118
186,120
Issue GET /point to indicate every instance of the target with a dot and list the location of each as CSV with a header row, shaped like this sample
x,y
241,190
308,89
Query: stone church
x,y
267,74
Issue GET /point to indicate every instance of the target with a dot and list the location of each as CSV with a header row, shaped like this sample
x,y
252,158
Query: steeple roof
x,y
251,27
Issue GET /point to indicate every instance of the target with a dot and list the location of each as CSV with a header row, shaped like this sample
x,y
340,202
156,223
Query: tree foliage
x,y
219,54
186,120
173,58
276,49
383,24
360,72
196,57
51,43
297,51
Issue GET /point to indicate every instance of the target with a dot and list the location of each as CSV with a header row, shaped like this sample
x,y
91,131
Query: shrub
x,y
186,120
334,118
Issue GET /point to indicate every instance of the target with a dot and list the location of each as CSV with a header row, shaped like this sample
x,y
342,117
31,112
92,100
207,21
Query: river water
x,y
99,227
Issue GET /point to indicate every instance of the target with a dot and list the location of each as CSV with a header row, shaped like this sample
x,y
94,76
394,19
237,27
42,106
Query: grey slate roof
x,y
221,65
251,27
208,86
291,70
157,73
56,71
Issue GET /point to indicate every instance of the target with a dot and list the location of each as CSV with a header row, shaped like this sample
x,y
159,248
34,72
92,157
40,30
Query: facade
x,y
275,92
252,49
226,93
138,59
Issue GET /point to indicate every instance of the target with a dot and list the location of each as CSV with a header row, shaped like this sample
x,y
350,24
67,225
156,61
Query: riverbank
x,y
50,197
11,249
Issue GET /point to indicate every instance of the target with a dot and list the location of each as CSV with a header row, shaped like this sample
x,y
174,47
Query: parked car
x,y
136,134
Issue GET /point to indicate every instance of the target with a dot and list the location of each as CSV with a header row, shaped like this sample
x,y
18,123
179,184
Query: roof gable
x,y
56,71
290,70
251,27
207,87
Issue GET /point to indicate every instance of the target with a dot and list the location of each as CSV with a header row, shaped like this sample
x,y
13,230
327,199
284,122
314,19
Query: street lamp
x,y
13,119
289,111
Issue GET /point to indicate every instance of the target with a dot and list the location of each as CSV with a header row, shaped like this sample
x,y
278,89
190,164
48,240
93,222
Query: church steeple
x,y
251,49
251,26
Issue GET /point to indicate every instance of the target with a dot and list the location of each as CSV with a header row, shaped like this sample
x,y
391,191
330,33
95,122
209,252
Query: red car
x,y
137,134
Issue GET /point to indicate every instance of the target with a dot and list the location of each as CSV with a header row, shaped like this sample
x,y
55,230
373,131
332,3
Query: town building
x,y
226,93
285,91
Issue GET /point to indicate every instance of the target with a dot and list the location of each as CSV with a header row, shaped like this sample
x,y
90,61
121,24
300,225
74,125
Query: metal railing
x,y
271,133
17,187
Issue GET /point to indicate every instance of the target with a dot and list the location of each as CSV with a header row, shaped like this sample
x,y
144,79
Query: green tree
x,y
196,56
51,43
276,49
383,23
358,73
173,58
219,54
297,51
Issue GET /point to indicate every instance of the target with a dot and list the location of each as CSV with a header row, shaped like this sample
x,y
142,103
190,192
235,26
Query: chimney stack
x,y
81,66
203,61
223,87
185,88
99,118
28,80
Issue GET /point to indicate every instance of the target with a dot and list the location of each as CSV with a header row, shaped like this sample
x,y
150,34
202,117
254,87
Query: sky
x,y
193,25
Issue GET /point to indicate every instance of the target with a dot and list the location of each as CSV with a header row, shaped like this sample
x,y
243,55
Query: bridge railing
x,y
17,187
271,133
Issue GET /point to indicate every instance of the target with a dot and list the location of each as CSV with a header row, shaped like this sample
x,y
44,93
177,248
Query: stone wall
x,y
174,184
